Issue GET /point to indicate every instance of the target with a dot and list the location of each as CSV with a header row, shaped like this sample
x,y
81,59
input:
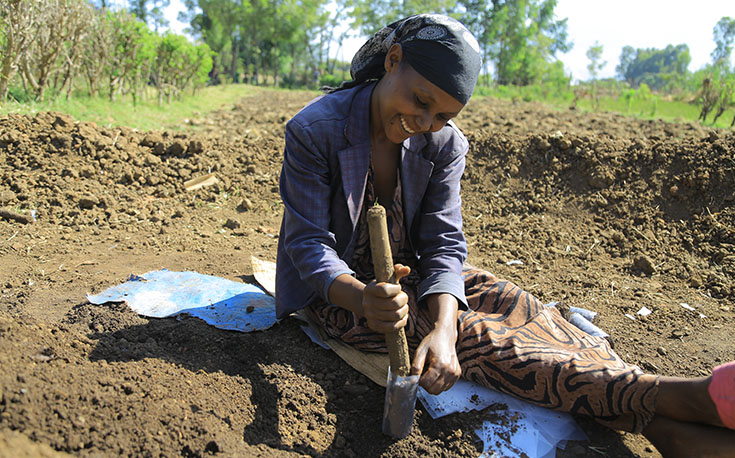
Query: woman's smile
x,y
404,124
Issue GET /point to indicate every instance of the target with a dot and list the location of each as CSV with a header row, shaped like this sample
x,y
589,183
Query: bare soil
x,y
605,212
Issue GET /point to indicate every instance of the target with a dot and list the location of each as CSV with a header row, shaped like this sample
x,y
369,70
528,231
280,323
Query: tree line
x,y
57,46
666,71
289,42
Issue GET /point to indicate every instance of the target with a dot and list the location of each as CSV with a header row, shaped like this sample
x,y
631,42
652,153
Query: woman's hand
x,y
436,357
436,360
385,305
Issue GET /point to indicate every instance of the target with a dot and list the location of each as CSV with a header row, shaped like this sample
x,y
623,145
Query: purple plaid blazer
x,y
322,183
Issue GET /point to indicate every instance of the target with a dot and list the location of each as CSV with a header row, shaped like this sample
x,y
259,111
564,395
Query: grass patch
x,y
655,107
658,108
146,115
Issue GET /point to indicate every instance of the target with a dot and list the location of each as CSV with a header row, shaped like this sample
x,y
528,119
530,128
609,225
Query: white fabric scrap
x,y
585,325
589,315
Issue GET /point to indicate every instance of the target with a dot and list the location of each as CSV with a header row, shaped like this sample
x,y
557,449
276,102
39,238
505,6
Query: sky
x,y
613,24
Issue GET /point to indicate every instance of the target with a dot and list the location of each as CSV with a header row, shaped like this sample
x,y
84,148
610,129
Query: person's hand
x,y
436,360
385,305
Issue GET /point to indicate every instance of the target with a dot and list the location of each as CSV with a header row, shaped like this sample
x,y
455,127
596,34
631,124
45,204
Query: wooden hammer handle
x,y
400,362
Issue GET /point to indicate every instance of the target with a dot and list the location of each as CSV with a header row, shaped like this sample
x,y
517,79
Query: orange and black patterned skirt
x,y
510,342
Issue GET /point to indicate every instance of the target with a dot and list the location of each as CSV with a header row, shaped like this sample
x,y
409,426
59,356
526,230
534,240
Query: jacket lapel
x,y
353,163
354,160
415,175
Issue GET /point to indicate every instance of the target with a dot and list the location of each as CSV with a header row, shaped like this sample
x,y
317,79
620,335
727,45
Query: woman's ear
x,y
393,58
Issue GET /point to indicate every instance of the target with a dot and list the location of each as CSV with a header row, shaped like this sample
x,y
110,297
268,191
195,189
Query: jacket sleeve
x,y
441,244
305,191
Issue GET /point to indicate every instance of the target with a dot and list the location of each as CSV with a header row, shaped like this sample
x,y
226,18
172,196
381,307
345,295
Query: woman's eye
x,y
420,102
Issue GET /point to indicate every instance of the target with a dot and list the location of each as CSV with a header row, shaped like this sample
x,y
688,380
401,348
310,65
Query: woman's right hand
x,y
385,305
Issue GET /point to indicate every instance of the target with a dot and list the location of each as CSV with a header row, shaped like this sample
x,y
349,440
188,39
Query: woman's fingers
x,y
398,316
385,291
385,306
401,271
389,320
438,379
437,365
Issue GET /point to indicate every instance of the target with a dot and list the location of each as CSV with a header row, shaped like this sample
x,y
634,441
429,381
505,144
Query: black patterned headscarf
x,y
438,47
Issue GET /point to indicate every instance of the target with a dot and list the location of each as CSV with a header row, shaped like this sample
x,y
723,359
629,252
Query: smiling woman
x,y
387,136
413,104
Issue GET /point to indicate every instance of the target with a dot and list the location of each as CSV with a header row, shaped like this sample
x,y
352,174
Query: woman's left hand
x,y
436,360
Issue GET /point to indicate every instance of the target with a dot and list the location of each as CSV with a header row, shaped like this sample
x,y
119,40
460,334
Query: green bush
x,y
330,80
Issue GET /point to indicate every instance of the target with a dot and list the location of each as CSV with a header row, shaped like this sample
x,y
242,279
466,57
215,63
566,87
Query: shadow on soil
x,y
300,391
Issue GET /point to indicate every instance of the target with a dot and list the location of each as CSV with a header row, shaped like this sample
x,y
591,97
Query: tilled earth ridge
x,y
605,212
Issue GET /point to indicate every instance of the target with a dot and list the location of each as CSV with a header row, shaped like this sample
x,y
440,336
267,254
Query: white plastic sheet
x,y
535,432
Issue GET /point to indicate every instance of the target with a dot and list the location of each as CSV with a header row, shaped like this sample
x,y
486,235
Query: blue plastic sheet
x,y
222,303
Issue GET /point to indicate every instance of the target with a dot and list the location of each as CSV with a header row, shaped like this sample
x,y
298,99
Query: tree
x,y
133,47
18,23
59,27
594,54
82,19
149,11
267,37
627,58
221,25
709,95
653,66
369,16
724,36
726,100
97,51
522,37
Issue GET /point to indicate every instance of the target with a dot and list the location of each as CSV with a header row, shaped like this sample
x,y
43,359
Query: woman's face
x,y
406,104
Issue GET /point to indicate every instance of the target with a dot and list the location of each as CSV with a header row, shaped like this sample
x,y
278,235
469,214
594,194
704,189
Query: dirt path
x,y
610,213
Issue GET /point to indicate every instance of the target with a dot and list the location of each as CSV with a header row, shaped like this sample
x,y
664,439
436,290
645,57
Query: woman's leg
x,y
511,342
686,422
679,439
687,399
514,344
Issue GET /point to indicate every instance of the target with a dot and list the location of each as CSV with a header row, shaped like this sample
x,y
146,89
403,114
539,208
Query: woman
x,y
387,136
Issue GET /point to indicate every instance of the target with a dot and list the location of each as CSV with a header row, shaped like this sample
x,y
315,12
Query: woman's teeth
x,y
405,126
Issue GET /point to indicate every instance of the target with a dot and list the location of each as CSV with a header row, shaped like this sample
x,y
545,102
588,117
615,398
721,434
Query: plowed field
x,y
605,212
